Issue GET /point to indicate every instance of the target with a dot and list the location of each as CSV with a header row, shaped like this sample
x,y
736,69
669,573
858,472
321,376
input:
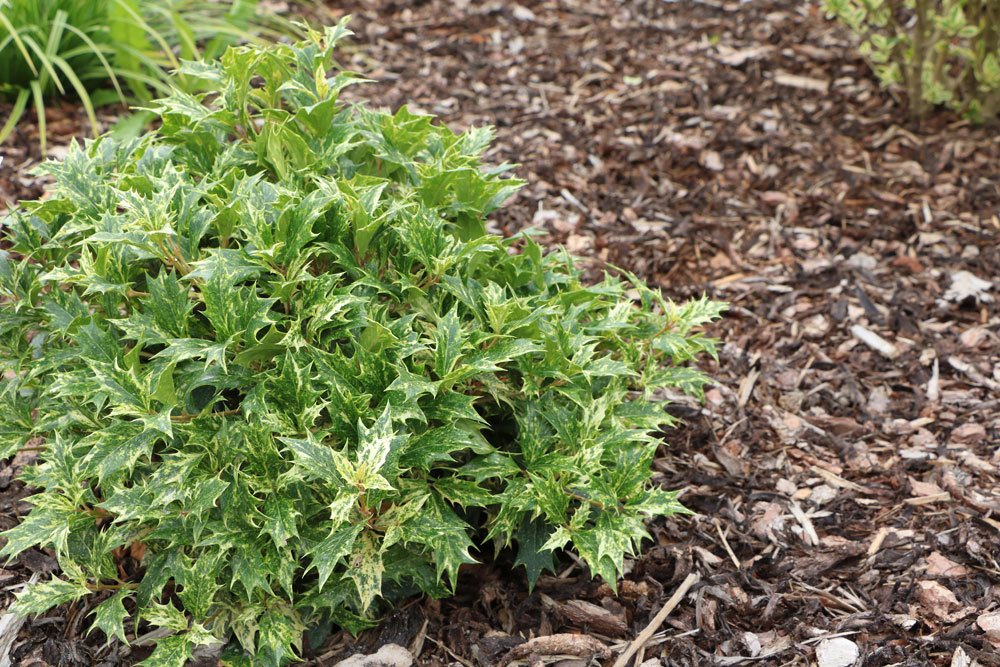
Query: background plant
x,y
281,371
113,49
941,51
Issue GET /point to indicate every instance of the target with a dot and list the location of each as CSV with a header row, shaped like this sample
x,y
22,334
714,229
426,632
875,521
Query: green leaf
x,y
250,569
376,443
449,341
318,461
446,535
123,386
366,569
412,386
531,538
172,651
41,597
327,554
183,349
280,631
235,313
42,527
224,268
109,617
199,582
169,304
438,445
165,616
294,393
281,522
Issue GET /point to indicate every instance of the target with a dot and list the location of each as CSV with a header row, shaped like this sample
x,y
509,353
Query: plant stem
x,y
916,73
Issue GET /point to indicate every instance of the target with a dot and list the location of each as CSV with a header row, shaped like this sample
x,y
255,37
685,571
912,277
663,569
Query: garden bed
x,y
843,488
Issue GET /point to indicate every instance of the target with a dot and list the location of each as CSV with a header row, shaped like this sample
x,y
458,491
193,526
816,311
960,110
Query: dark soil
x,y
744,151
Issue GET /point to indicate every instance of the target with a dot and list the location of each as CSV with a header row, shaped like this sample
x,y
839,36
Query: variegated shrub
x,y
277,371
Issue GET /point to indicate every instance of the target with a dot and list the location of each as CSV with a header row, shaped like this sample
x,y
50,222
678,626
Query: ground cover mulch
x,y
845,469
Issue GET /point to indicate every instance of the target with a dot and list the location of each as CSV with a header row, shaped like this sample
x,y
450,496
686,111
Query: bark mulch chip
x,y
844,472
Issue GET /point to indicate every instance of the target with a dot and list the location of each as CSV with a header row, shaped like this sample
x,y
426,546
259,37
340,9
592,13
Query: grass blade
x,y
127,39
36,89
185,34
129,9
15,114
158,84
96,50
9,27
48,70
81,90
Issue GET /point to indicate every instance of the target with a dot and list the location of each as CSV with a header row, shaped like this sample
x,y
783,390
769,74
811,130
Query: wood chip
x,y
973,373
10,625
808,530
837,652
565,644
877,541
588,616
738,57
934,384
802,82
874,341
657,620
836,480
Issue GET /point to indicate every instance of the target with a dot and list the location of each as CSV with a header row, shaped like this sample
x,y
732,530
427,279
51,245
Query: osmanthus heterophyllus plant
x,y
281,372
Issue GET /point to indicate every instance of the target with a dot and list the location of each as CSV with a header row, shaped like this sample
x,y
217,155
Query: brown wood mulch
x,y
845,469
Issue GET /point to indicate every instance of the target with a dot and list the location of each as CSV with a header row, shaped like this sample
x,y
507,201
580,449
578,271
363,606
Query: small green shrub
x,y
273,354
116,47
943,52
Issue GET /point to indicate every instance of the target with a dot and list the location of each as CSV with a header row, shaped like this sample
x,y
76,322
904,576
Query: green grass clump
x,y
103,50
282,374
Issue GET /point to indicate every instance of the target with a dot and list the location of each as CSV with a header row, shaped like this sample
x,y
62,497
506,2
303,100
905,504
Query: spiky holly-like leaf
x,y
531,552
42,596
109,617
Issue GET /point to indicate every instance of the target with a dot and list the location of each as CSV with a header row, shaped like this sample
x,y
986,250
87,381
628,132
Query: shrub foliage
x,y
281,371
941,51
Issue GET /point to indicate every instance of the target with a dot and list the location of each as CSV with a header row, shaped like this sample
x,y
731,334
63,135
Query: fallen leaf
x,y
940,566
939,602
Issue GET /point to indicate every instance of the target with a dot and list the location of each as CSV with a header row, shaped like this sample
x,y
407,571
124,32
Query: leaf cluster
x,y
942,52
282,372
